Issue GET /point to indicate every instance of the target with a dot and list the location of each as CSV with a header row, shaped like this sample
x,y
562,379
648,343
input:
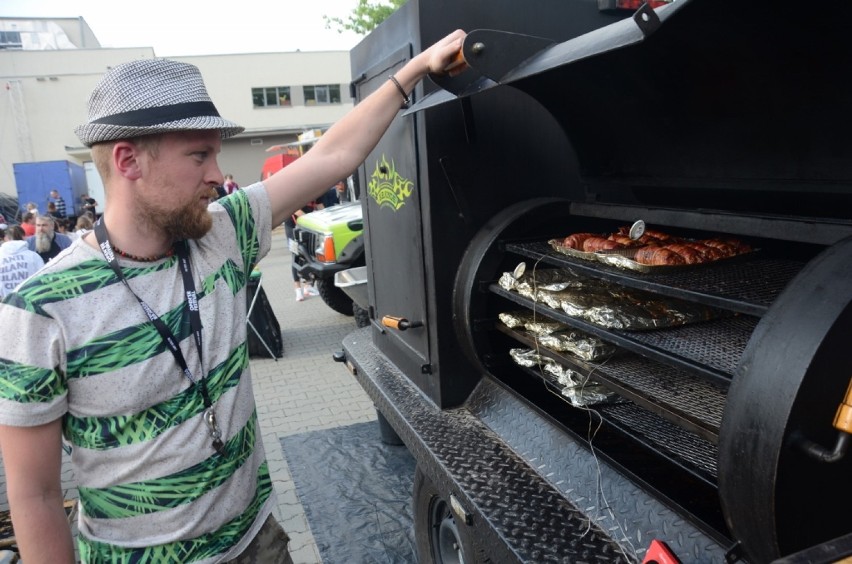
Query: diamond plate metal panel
x,y
537,495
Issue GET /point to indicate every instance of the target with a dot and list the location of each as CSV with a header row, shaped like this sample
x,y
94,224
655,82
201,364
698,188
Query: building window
x,y
322,94
10,40
271,96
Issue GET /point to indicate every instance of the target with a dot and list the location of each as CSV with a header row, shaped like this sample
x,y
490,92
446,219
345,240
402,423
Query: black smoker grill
x,y
701,118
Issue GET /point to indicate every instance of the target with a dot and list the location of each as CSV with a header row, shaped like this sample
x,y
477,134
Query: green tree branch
x,y
364,17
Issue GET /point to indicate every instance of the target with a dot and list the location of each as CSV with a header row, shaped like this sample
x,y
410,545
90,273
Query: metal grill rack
x,y
744,286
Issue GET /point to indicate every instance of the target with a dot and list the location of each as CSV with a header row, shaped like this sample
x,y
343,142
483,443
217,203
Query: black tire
x,y
439,537
362,316
334,297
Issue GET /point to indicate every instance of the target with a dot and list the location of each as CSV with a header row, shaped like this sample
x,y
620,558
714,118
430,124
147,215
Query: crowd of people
x,y
25,248
153,392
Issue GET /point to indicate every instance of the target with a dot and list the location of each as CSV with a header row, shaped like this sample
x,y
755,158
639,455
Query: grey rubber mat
x,y
356,492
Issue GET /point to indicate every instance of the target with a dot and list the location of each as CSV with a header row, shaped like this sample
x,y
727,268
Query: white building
x,y
48,67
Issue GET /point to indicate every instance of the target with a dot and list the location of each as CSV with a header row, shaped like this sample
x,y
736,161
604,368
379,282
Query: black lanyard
x,y
168,337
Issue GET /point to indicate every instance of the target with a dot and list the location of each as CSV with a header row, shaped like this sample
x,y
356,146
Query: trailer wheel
x,y
440,539
362,316
334,297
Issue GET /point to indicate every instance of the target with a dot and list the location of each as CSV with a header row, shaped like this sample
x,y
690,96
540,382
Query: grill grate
x,y
695,398
690,450
718,344
710,349
680,397
662,437
743,285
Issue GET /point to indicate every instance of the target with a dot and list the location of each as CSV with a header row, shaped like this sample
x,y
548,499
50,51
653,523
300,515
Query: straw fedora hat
x,y
150,96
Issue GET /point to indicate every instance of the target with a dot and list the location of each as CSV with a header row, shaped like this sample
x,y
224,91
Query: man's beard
x,y
189,222
43,242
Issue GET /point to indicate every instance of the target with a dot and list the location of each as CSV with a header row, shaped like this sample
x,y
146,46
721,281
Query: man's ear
x,y
125,157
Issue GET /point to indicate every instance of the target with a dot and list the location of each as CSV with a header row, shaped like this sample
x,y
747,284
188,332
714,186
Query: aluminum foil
x,y
605,304
578,389
535,281
580,344
525,319
558,336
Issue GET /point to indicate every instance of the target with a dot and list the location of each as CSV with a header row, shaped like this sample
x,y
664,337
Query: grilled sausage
x,y
575,241
708,253
659,235
594,244
689,255
658,256
731,246
623,240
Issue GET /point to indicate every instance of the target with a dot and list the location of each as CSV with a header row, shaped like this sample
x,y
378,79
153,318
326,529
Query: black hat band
x,y
160,114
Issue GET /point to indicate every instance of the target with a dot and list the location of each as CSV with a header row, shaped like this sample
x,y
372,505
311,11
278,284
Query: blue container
x,y
34,182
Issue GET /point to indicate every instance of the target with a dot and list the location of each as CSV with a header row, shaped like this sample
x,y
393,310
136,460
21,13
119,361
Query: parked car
x,y
329,241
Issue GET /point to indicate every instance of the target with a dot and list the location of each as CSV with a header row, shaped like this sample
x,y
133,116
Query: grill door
x,y
390,197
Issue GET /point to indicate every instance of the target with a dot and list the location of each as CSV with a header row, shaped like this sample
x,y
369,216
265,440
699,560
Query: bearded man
x,y
46,242
107,347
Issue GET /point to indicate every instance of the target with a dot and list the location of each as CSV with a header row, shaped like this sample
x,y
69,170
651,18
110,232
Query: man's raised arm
x,y
348,142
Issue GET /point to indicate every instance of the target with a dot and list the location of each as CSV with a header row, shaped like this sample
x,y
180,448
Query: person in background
x,y
62,226
59,201
84,225
90,206
153,390
330,198
17,262
46,242
52,211
230,184
302,287
342,191
28,223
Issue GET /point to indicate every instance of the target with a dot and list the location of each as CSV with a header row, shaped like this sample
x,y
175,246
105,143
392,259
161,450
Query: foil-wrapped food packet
x,y
582,345
635,310
530,282
578,389
604,303
587,395
508,281
532,322
558,336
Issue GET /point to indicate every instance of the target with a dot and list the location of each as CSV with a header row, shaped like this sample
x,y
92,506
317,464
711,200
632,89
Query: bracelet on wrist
x,y
406,99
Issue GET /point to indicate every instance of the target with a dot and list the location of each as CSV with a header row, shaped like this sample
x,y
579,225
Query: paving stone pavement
x,y
305,390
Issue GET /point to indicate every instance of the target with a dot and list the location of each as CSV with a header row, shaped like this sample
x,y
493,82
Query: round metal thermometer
x,y
637,229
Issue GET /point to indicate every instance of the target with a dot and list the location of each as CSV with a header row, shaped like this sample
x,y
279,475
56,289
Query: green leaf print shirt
x,y
152,489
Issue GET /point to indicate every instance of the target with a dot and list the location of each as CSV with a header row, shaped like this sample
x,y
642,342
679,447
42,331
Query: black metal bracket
x,y
734,553
647,19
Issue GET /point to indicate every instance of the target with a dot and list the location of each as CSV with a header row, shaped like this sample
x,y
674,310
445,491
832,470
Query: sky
x,y
185,27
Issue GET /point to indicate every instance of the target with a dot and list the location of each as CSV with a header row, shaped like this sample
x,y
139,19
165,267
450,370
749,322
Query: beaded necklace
x,y
121,253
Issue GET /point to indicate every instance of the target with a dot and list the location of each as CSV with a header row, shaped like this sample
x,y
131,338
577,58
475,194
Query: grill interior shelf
x,y
671,383
746,285
710,349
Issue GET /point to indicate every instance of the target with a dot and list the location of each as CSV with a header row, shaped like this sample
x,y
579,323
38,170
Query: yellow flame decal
x,y
387,187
